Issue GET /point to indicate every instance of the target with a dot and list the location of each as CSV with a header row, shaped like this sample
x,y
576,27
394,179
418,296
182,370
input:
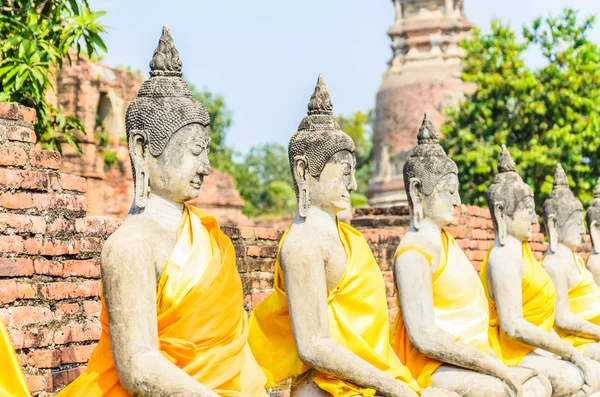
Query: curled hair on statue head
x,y
427,162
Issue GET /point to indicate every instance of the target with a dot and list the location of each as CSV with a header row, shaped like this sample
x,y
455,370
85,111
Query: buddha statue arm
x,y
565,319
505,277
306,289
413,278
129,287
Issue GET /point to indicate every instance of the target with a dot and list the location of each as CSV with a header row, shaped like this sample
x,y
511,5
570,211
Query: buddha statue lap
x,y
577,294
593,221
326,325
166,329
441,330
521,294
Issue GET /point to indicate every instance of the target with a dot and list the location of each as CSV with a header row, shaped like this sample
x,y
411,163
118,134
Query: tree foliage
x,y
545,116
36,36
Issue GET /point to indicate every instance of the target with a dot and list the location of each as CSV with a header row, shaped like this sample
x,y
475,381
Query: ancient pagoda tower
x,y
423,74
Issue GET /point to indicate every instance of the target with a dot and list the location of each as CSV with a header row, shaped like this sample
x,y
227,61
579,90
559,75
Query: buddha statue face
x,y
322,158
440,205
563,214
593,218
167,132
330,191
178,172
520,223
511,202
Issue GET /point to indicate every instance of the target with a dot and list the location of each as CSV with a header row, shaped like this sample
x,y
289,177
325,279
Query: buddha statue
x,y
326,325
12,381
172,317
441,330
522,296
593,221
577,294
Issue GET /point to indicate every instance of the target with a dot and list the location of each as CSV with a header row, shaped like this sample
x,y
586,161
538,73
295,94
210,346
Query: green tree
x,y
545,116
220,156
36,36
263,180
360,128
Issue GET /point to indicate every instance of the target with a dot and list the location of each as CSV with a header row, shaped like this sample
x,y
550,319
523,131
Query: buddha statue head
x,y
563,214
431,179
167,132
593,218
510,201
322,158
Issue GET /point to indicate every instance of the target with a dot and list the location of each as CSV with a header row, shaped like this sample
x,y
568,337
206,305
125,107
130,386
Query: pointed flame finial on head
x,y
505,161
597,189
427,132
560,178
320,101
165,61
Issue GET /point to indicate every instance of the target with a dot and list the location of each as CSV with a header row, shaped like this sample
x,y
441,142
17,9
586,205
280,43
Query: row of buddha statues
x,y
172,318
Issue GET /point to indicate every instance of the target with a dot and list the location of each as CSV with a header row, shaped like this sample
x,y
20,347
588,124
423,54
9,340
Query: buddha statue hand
x,y
590,379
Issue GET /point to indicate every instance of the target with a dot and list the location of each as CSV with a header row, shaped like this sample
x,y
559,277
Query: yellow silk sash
x,y
584,302
538,294
358,320
460,304
202,327
12,381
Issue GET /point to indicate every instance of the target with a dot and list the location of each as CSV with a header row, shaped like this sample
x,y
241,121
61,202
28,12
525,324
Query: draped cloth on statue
x,y
202,327
584,302
12,381
460,309
538,296
358,320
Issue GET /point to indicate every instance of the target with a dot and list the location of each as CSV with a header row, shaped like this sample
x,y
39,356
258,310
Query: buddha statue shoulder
x,y
165,330
577,294
521,294
326,325
441,330
592,218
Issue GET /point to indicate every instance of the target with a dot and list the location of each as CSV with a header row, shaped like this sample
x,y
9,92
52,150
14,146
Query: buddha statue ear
x,y
500,222
595,235
300,171
138,151
552,232
417,201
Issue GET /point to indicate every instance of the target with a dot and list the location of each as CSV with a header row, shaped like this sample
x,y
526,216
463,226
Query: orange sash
x,y
202,327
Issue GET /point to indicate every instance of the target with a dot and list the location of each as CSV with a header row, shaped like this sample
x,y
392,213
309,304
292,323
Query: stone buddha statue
x,y
521,294
326,325
441,331
577,294
172,316
593,221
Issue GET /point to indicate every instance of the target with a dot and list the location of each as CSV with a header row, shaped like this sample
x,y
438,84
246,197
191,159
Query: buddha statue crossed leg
x,y
172,316
441,330
522,295
577,294
326,325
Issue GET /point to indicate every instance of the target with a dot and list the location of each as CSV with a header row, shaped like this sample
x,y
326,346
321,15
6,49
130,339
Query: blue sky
x,y
264,56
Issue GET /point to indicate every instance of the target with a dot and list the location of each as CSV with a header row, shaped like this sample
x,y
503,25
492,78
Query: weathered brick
x,y
76,332
253,250
65,290
91,244
69,202
41,246
266,233
28,114
246,232
23,223
13,156
81,268
73,182
97,225
65,309
76,354
44,159
44,358
36,383
36,337
92,308
16,267
48,268
60,225
19,200
11,244
21,134
9,111
19,316
24,179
